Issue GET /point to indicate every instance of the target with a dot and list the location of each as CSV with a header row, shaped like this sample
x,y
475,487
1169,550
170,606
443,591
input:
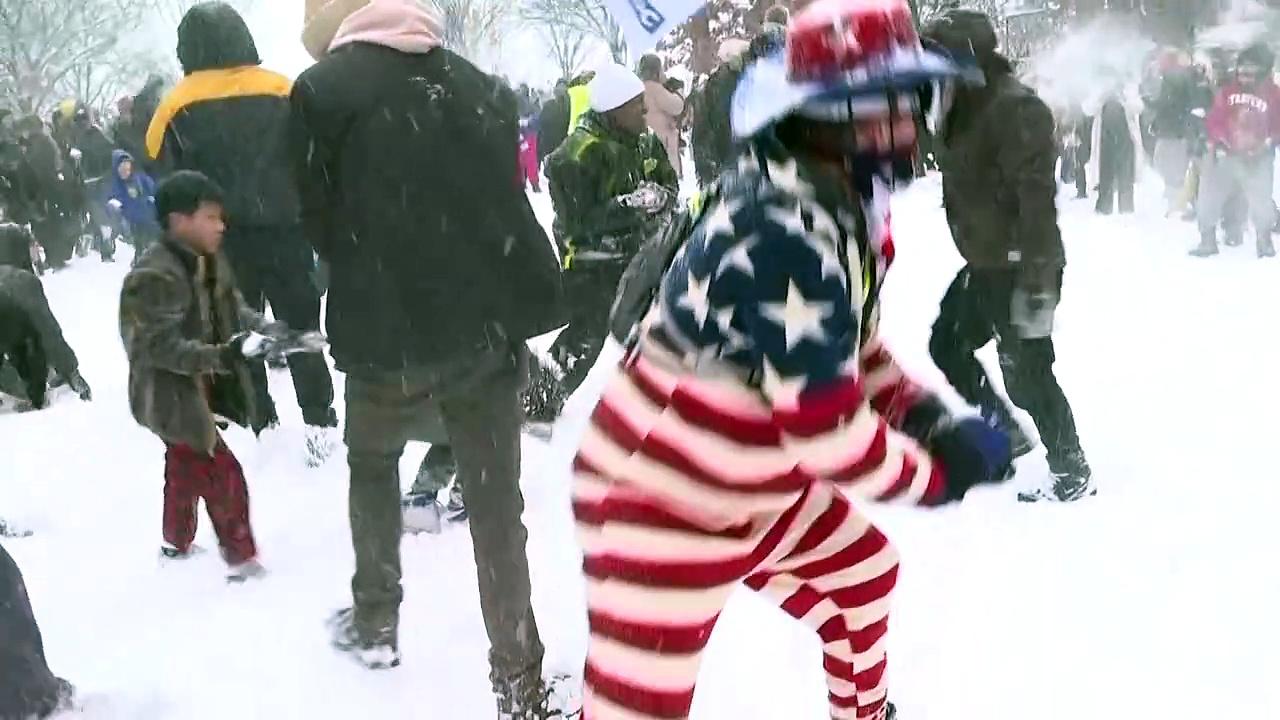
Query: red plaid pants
x,y
190,475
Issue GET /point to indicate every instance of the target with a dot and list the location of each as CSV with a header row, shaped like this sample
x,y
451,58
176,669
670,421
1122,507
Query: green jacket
x,y
590,170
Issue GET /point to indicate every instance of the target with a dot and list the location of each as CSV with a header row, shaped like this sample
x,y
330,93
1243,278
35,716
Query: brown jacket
x,y
178,310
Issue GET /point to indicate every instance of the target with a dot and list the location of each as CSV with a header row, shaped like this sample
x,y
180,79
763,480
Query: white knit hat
x,y
612,87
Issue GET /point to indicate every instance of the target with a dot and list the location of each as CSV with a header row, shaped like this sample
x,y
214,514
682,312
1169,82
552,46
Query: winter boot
x,y
322,440
998,416
1072,480
1208,246
245,571
1266,248
544,398
380,654
530,697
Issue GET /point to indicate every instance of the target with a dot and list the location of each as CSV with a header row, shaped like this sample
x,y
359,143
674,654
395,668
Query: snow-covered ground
x,y
1156,599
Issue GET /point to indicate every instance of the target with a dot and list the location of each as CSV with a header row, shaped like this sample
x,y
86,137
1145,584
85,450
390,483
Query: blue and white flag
x,y
644,22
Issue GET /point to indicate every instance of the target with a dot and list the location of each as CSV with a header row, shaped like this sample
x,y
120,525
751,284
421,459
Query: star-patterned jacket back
x,y
777,283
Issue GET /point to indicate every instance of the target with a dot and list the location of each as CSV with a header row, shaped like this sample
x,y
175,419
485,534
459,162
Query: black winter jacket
x,y
997,155
407,166
228,119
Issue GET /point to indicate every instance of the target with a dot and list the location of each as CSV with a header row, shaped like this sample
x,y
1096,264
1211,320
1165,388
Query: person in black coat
x,y
31,339
228,119
406,162
28,689
997,152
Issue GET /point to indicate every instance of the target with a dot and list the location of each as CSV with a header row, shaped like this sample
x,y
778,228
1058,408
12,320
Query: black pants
x,y
478,400
976,310
58,235
590,289
275,264
1116,173
27,687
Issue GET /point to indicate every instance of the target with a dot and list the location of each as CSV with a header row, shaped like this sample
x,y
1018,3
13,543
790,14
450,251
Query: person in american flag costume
x,y
758,397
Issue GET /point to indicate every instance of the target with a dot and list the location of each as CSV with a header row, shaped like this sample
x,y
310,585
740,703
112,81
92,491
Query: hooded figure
x,y
132,194
997,152
405,155
228,119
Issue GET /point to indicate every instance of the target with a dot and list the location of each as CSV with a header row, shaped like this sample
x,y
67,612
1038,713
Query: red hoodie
x,y
1243,120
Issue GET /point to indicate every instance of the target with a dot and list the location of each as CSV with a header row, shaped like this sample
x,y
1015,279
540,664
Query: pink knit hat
x,y
404,25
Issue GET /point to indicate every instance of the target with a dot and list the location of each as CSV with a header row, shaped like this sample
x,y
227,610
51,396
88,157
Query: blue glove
x,y
972,453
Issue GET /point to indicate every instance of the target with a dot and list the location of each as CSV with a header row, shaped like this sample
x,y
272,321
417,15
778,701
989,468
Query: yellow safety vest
x,y
579,103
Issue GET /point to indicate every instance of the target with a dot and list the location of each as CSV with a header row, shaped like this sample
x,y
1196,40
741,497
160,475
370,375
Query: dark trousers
x,y
57,235
976,310
190,476
590,288
1116,173
275,264
27,687
478,399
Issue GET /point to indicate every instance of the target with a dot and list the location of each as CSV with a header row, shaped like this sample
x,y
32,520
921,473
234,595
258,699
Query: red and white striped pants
x,y
657,583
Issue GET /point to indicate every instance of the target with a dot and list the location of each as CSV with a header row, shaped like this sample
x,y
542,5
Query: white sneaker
x,y
248,570
321,443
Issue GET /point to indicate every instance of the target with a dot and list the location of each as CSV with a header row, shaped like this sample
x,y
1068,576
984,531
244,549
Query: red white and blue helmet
x,y
842,59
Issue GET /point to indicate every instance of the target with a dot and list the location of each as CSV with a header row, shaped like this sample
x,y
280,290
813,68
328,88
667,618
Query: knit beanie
x,y
613,87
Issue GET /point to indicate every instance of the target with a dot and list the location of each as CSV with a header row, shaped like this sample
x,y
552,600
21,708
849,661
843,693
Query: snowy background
x,y
1156,599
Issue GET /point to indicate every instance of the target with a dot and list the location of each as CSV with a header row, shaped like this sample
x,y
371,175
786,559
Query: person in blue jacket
x,y
132,197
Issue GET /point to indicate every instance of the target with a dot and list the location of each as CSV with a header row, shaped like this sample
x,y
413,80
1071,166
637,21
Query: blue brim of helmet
x,y
765,94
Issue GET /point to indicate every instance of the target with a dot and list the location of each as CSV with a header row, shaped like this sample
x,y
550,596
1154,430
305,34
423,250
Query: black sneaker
x,y
377,655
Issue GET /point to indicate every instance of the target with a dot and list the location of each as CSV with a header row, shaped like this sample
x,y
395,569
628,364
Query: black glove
x,y
81,387
972,453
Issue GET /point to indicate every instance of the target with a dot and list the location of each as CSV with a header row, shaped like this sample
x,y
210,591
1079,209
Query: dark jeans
x,y
976,310
589,288
27,687
275,264
478,399
1116,175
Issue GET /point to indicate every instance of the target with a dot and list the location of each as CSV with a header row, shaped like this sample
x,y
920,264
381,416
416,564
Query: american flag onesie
x,y
757,398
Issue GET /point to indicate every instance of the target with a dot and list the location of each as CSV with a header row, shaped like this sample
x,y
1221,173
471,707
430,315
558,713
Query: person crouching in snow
x,y
184,323
758,395
132,196
31,339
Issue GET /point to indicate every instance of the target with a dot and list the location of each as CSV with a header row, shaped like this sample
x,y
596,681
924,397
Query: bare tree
x,y
473,27
44,43
588,17
568,46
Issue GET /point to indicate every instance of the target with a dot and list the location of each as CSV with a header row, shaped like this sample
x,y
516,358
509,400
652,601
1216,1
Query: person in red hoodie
x,y
1243,127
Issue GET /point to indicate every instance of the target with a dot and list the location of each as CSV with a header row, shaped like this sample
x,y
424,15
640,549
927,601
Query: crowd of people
x,y
756,407
1206,122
